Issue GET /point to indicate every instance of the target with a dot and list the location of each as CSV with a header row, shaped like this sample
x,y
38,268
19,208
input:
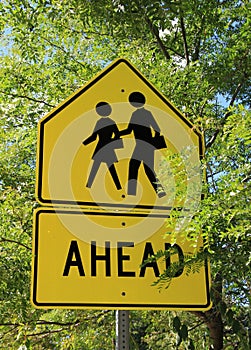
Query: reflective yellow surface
x,y
89,246
126,284
64,163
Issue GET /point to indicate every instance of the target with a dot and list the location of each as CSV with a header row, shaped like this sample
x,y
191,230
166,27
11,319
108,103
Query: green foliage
x,y
198,54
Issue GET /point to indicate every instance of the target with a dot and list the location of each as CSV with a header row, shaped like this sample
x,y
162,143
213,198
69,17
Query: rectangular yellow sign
x,y
94,260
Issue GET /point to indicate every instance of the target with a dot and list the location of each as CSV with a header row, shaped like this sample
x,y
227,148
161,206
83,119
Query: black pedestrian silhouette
x,y
142,124
107,133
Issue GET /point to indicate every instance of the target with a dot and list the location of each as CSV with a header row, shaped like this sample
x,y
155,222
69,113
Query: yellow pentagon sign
x,y
105,146
100,265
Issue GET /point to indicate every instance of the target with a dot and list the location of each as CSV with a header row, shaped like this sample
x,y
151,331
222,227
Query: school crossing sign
x,y
97,147
113,160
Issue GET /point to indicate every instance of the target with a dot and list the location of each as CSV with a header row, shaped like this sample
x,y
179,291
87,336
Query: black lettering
x,y
73,252
121,258
147,253
95,257
177,248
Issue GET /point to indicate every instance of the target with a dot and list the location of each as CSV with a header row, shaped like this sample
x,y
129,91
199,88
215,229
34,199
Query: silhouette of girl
x,y
107,133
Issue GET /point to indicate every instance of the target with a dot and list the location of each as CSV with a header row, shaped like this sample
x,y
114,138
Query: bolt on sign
x,y
118,168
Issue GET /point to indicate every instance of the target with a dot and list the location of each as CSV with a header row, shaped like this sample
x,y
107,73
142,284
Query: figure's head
x,y
103,109
137,99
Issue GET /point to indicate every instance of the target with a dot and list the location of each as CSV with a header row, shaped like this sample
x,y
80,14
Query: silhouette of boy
x,y
142,124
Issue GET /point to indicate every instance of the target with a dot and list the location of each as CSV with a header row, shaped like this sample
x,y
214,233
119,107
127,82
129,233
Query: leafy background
x,y
197,53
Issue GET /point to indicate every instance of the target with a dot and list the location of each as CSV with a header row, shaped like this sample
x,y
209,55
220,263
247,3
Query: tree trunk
x,y
212,318
215,327
213,321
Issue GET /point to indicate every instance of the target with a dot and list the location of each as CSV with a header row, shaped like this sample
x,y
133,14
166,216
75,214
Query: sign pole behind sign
x,y
122,330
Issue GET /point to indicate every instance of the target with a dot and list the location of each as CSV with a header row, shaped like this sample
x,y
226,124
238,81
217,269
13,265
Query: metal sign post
x,y
122,330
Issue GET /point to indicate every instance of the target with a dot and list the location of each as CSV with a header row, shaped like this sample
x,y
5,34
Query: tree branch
x,y
175,52
183,31
42,322
85,33
27,98
195,55
9,331
62,49
227,114
43,334
56,323
3,239
155,33
196,326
